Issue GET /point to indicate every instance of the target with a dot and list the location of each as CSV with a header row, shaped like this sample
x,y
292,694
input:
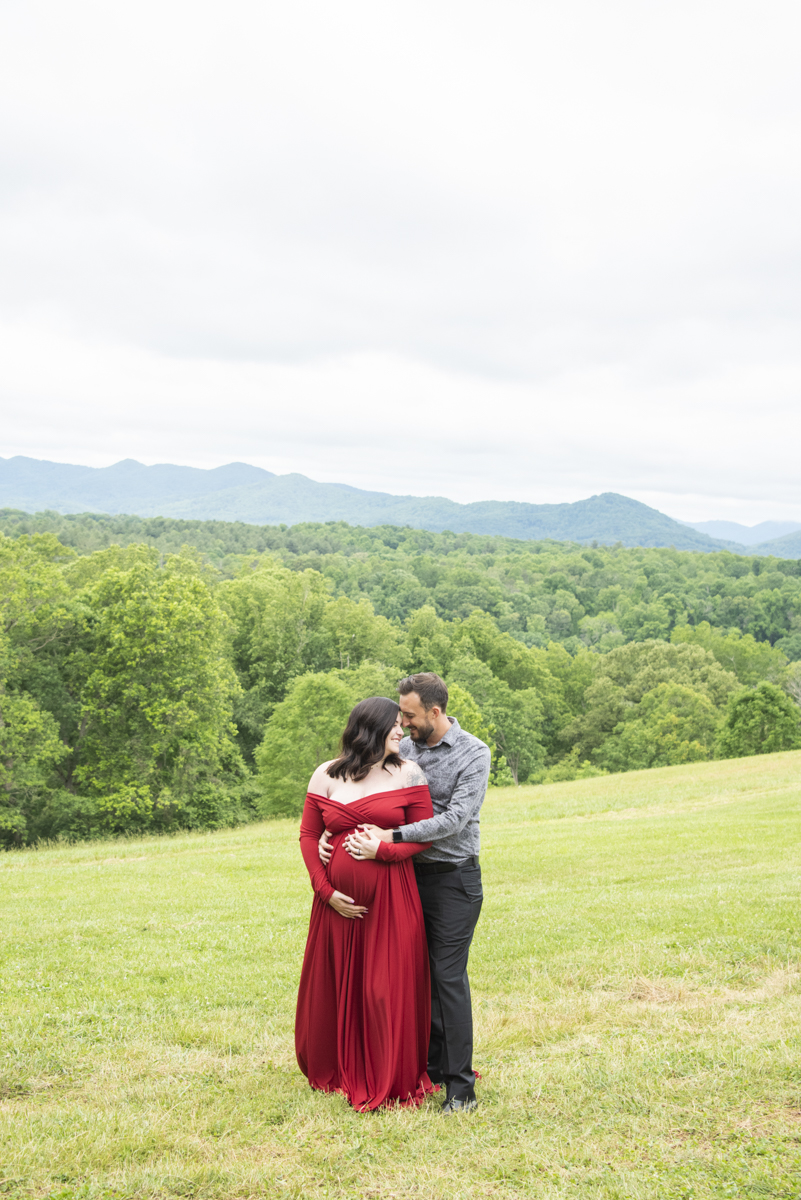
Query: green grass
x,y
637,989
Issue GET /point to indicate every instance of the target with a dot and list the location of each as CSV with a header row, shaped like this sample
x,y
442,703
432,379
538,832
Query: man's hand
x,y
346,908
361,844
324,849
383,835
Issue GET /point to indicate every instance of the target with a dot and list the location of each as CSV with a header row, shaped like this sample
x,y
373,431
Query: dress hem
x,y
425,1088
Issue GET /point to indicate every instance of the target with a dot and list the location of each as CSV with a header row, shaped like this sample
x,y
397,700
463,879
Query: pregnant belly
x,y
353,877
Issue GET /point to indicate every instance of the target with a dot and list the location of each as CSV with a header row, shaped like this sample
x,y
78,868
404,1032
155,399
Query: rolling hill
x,y
239,492
788,546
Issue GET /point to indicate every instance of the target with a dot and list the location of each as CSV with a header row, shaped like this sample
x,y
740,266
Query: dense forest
x,y
158,674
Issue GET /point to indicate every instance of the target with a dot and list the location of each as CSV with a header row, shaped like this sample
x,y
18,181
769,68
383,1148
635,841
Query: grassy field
x,y
637,988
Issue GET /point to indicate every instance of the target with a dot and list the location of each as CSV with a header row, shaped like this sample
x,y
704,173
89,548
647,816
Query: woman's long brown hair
x,y
365,739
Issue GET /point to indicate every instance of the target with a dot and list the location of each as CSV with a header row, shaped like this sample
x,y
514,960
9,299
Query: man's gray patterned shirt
x,y
457,769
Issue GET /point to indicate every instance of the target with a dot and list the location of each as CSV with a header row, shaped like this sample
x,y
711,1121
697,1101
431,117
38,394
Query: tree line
x,y
149,689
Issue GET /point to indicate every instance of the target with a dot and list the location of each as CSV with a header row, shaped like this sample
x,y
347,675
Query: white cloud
x,y
385,423
486,250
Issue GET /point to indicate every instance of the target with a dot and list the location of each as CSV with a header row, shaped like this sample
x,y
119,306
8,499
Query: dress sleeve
x,y
311,827
418,808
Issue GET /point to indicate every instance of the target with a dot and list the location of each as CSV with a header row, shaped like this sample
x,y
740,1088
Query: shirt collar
x,y
450,737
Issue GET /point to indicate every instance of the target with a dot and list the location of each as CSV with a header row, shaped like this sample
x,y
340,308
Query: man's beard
x,y
422,733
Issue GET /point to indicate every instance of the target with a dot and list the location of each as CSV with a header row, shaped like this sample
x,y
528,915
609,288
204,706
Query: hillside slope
x,y
788,546
635,990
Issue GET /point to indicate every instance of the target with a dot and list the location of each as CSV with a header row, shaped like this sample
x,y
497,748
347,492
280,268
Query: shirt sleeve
x,y
311,828
465,801
418,809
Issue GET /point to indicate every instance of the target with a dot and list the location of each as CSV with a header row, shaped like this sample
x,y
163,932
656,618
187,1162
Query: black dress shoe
x,y
459,1106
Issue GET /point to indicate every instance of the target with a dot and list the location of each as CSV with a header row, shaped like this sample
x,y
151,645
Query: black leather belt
x,y
441,868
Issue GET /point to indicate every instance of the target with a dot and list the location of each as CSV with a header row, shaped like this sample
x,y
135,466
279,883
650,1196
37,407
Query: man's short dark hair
x,y
429,687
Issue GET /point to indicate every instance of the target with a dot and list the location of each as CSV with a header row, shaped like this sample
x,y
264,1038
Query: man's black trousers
x,y
451,905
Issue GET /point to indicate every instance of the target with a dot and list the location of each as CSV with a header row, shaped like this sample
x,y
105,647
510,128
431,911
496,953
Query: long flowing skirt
x,y
363,1014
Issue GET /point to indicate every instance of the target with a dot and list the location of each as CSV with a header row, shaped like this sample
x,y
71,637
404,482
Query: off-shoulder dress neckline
x,y
369,796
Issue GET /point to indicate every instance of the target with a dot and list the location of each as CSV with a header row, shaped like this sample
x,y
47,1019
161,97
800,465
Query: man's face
x,y
415,718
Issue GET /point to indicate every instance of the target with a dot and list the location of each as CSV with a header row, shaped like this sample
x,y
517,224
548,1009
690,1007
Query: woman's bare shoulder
x,y
413,775
321,781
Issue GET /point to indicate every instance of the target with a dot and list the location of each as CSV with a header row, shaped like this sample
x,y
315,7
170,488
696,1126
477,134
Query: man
x,y
456,765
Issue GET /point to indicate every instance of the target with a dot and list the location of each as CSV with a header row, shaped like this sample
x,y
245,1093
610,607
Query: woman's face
x,y
394,737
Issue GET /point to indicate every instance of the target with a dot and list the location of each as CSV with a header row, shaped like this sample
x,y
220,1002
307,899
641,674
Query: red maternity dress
x,y
363,1015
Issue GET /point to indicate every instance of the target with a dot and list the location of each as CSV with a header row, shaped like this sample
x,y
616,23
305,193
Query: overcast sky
x,y
510,250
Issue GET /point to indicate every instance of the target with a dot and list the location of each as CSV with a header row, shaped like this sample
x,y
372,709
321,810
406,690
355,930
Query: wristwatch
x,y
397,836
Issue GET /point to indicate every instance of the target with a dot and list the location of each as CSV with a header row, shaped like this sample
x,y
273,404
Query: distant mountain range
x,y
238,492
748,535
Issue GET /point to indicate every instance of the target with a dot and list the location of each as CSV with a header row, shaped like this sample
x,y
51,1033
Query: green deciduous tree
x,y
428,642
156,688
547,677
790,646
760,720
34,604
571,767
370,679
278,634
601,632
464,709
507,658
354,634
625,676
304,730
792,681
518,719
515,716
749,659
29,750
673,724
286,624
32,590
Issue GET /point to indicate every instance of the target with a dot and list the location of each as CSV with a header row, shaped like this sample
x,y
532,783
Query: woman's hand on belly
x,y
361,845
346,907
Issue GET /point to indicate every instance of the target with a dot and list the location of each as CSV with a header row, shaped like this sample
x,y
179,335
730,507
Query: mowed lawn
x,y
637,991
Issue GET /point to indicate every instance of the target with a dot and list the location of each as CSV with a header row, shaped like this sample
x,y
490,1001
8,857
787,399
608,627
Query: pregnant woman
x,y
363,1013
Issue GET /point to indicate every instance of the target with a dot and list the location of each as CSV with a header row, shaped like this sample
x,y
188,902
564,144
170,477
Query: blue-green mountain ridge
x,y
240,492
